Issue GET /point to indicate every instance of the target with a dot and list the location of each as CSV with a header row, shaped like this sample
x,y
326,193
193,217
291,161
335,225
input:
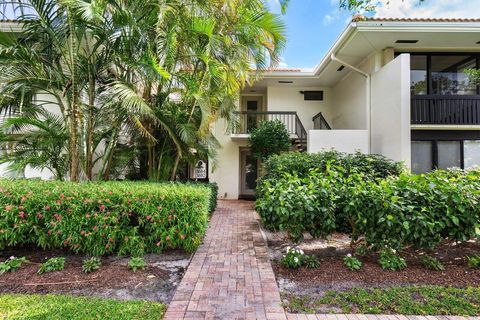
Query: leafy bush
x,y
311,262
12,264
419,210
390,260
137,263
270,138
298,205
352,263
103,218
474,262
52,264
310,190
91,264
296,258
361,250
383,208
372,166
293,258
431,263
213,199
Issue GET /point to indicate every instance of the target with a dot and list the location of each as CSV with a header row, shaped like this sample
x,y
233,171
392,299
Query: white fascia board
x,y
344,38
10,26
417,26
280,74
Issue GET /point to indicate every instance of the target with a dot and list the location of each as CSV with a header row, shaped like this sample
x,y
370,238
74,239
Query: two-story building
x,y
395,87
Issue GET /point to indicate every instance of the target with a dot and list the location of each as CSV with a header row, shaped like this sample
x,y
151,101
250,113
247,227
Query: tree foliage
x,y
365,5
270,138
137,83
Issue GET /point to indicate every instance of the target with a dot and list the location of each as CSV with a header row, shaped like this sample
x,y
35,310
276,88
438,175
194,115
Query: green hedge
x,y
396,211
419,210
301,163
284,170
105,217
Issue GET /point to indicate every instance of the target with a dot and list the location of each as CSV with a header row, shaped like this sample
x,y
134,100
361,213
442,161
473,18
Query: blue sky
x,y
314,25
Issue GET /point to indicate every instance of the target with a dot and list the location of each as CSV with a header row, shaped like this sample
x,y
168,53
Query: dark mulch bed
x,y
113,279
333,275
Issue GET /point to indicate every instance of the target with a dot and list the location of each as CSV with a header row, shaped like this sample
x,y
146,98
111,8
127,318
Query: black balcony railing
x,y
248,120
442,109
320,123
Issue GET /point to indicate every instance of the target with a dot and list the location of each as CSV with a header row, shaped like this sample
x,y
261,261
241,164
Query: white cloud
x,y
328,19
429,9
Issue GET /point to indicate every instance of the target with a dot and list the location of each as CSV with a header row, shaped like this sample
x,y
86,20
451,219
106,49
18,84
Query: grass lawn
x,y
412,300
68,307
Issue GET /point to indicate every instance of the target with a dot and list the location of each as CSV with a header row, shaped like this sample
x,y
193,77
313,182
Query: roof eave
x,y
424,26
10,26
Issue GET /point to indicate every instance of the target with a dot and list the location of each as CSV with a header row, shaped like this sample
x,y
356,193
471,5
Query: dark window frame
x,y
429,56
435,136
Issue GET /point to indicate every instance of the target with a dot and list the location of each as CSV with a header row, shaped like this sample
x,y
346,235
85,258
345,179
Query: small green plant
x,y
53,264
91,264
389,260
431,263
136,263
12,264
474,261
310,262
293,258
352,263
361,250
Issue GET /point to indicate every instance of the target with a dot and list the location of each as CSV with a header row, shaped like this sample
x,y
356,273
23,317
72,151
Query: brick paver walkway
x,y
230,276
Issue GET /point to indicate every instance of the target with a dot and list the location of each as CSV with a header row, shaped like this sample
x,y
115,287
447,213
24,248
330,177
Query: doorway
x,y
252,105
248,174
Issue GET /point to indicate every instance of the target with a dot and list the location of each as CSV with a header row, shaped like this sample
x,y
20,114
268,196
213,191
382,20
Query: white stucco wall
x,y
349,97
349,141
227,173
390,113
286,98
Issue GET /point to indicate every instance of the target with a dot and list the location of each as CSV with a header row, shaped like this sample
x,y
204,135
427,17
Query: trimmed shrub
x,y
297,205
301,163
103,218
420,210
394,211
213,200
270,138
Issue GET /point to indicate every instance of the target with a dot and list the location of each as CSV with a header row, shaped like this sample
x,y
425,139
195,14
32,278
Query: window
x,y
448,154
442,73
472,153
448,77
418,74
422,156
444,154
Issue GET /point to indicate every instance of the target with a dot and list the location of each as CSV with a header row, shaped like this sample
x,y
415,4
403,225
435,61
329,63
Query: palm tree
x,y
153,74
38,140
203,52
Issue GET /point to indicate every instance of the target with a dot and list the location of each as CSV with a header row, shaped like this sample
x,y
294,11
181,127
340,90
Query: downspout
x,y
368,77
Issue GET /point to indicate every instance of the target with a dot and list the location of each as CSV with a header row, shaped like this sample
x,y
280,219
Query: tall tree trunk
x,y
107,165
89,142
175,167
74,158
74,112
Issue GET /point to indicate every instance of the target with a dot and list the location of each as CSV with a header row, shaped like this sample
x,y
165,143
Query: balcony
x,y
320,123
249,120
445,110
